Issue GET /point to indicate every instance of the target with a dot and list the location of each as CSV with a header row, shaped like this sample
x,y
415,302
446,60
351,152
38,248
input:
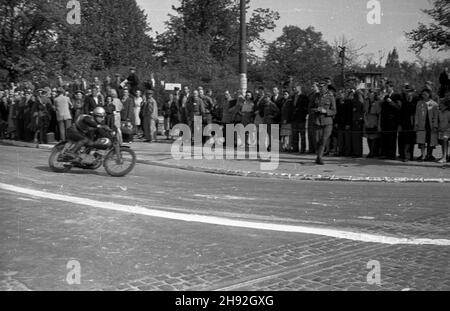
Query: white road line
x,y
355,236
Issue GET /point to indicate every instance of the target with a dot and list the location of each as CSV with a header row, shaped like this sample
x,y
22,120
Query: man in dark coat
x,y
407,136
92,101
390,113
343,123
300,104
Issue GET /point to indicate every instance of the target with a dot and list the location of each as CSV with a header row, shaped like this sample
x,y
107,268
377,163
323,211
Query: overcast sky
x,y
333,18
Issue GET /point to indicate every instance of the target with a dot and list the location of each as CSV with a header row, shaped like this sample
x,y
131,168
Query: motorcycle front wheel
x,y
119,167
58,167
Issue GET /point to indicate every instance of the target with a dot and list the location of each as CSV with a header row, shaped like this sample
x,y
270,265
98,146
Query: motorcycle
x,y
117,159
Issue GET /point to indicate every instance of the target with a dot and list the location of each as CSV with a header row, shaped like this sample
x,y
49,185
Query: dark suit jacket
x,y
300,105
90,104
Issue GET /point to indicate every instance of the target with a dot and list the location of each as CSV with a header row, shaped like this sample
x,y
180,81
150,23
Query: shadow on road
x,y
74,171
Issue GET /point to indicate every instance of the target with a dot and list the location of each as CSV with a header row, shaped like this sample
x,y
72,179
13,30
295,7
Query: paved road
x,y
221,232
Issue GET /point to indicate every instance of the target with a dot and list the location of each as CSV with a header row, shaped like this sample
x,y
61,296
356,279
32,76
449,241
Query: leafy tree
x,y
27,31
36,39
111,33
202,40
437,34
299,53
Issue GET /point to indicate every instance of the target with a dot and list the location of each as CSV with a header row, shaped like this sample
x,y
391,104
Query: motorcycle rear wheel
x,y
127,164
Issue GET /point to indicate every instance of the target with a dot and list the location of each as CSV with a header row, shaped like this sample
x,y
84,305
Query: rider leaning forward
x,y
85,130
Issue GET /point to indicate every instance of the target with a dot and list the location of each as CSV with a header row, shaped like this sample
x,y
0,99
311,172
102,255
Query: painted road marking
x,y
212,220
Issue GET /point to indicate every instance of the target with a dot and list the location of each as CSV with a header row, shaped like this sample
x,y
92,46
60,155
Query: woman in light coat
x,y
426,125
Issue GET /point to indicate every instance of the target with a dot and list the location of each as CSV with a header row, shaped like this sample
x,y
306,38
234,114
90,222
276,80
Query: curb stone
x,y
286,176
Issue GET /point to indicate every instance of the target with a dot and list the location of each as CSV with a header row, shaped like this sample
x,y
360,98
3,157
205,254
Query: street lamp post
x,y
243,50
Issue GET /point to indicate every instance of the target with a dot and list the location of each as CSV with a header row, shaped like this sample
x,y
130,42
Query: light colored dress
x,y
137,109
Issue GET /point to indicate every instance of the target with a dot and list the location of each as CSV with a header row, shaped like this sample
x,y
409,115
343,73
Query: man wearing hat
x,y
390,121
324,111
407,136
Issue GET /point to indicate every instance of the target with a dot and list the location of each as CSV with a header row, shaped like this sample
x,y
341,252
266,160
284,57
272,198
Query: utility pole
x,y
243,50
342,56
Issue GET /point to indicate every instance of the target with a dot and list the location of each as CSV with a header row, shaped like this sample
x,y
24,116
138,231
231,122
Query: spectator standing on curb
x,y
194,108
357,124
314,98
147,111
154,119
390,111
173,112
63,115
269,112
138,100
127,113
300,104
166,112
41,117
323,120
182,104
372,126
287,113
407,136
426,125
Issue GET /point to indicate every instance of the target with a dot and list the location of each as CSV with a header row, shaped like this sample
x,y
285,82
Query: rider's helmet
x,y
99,114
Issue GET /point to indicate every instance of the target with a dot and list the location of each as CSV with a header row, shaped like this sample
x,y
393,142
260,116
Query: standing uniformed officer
x,y
324,112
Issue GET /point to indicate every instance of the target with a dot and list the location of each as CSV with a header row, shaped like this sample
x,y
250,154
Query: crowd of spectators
x,y
329,121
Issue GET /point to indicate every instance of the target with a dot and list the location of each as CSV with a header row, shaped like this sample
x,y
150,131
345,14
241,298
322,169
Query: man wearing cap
x,y
324,111
407,136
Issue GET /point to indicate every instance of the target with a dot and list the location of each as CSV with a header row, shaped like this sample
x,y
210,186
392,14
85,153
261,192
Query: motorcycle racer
x,y
85,130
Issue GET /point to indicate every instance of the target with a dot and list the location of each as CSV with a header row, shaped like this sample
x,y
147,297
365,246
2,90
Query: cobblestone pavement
x,y
320,264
